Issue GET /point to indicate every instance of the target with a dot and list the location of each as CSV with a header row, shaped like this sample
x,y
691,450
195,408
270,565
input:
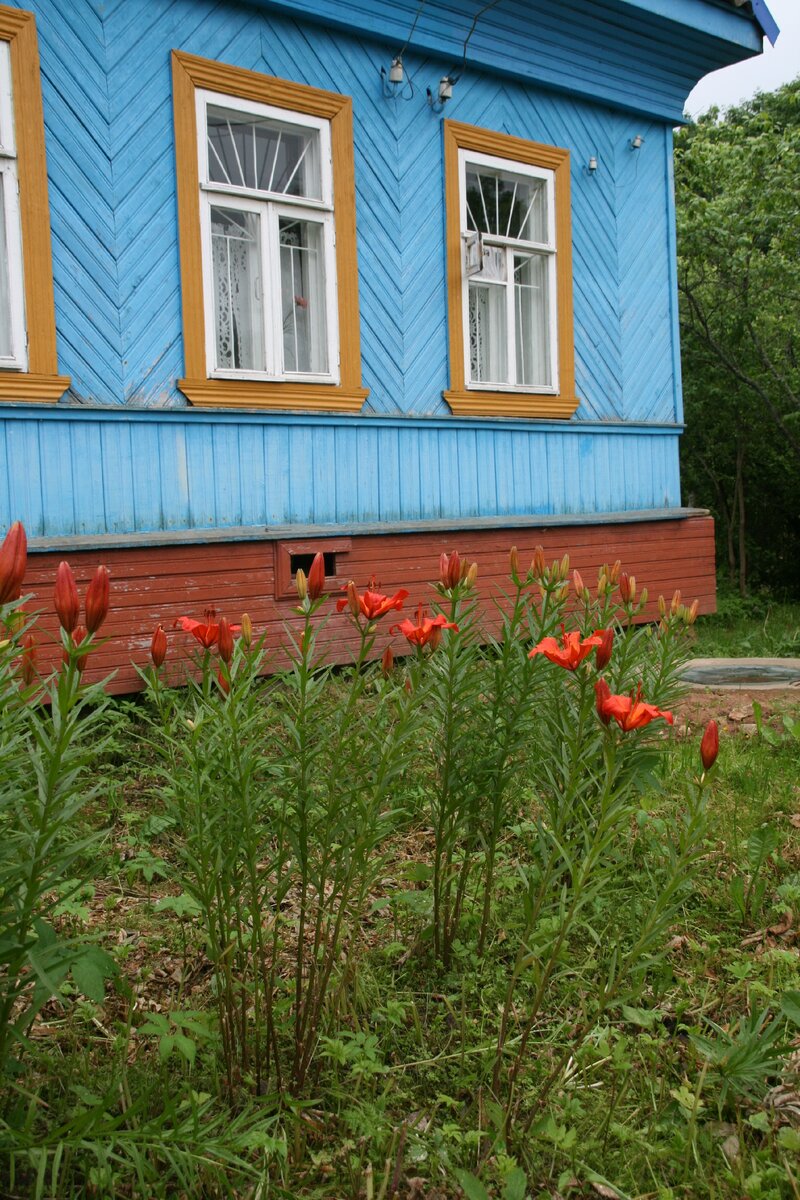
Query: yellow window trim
x,y
188,73
478,402
41,383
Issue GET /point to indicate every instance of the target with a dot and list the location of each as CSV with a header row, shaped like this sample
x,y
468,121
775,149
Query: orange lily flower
x,y
206,632
630,712
373,604
572,650
426,630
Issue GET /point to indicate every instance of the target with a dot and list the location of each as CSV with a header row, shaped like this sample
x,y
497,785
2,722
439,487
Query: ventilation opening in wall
x,y
302,562
291,557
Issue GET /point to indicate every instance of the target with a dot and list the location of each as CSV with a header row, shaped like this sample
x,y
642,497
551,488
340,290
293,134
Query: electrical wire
x,y
475,19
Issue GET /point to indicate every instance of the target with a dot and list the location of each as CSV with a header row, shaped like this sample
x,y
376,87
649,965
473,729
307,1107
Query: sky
x,y
775,66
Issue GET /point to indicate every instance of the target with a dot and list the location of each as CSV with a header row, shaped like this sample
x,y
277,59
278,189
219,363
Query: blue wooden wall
x,y
109,136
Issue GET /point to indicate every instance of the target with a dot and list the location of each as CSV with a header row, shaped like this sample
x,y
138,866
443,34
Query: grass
x,y
753,626
682,1096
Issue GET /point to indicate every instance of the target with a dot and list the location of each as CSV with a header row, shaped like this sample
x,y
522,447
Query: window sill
x,y
32,388
247,393
510,404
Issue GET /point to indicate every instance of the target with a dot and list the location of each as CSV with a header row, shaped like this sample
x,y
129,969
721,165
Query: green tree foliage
x,y
738,205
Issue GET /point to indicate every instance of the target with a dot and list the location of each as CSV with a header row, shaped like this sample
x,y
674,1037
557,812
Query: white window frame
x,y
269,206
548,249
18,359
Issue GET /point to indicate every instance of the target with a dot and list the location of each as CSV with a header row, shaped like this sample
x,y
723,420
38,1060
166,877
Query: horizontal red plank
x,y
158,584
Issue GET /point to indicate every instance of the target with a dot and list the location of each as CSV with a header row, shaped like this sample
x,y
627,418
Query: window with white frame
x,y
509,278
13,347
268,240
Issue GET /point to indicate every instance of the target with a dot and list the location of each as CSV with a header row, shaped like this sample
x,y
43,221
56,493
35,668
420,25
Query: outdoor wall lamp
x,y
637,142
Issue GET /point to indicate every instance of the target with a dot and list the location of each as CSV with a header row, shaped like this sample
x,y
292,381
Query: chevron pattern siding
x,y
110,145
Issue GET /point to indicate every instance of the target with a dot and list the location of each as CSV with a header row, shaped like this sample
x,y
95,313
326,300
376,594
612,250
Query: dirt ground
x,y
732,708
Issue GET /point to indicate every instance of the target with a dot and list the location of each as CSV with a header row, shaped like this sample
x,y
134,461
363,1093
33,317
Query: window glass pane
x,y
258,152
305,339
488,339
505,204
238,292
6,340
531,317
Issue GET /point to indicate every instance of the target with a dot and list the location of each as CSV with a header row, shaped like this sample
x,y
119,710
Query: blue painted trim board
x,y
164,471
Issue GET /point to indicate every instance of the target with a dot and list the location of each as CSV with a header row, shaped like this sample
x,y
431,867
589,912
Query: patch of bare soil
x,y
732,708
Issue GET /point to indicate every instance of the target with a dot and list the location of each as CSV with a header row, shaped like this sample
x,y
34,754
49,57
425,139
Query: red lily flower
x,y
603,656
572,651
316,576
97,600
372,604
630,712
65,598
427,629
13,557
158,646
709,746
206,632
28,659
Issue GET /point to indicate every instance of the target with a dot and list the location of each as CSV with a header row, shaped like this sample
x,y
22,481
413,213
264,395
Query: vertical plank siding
x,y
157,585
140,472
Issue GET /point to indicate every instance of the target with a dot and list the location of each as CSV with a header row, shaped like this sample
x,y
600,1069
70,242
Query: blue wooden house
x,y
377,278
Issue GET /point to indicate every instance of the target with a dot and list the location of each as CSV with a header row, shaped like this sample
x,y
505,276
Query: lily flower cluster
x,y
630,712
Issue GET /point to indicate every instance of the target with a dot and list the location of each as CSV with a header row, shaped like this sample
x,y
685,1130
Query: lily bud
x,y
28,660
709,746
353,600
79,635
247,630
13,558
563,568
65,598
643,597
450,570
471,575
676,601
97,600
513,559
662,606
225,640
602,692
613,574
692,611
603,652
224,685
316,576
603,584
387,662
578,584
301,583
627,587
158,646
538,562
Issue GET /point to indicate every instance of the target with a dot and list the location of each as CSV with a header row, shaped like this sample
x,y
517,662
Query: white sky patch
x,y
776,66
